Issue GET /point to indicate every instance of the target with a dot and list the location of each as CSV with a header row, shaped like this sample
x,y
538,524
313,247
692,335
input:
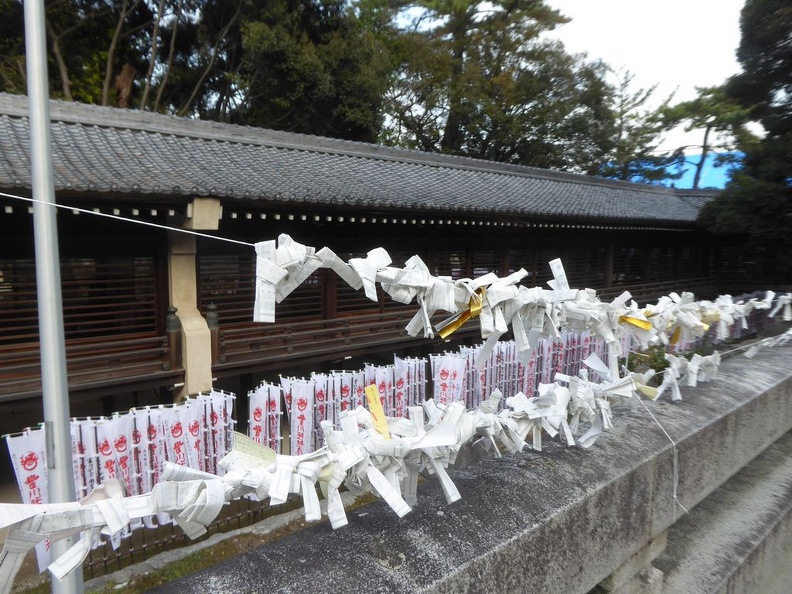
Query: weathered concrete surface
x,y
557,521
637,574
734,540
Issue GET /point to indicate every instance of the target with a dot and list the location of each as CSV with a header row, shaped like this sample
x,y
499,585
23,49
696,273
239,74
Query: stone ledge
x,y
558,521
734,539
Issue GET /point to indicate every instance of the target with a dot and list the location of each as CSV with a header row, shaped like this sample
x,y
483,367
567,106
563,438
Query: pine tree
x,y
758,201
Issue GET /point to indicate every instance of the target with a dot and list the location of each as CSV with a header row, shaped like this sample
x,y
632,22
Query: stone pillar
x,y
637,575
196,349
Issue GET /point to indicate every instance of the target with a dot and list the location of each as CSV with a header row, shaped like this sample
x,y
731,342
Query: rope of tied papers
x,y
386,455
499,303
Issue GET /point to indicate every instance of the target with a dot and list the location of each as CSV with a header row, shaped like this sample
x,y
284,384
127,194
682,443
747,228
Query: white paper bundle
x,y
322,408
302,416
28,457
196,434
274,418
257,414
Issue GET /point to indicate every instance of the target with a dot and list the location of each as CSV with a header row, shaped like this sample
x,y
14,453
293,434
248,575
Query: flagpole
x,y
54,381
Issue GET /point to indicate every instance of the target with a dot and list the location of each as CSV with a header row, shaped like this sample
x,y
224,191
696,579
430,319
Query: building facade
x,y
153,313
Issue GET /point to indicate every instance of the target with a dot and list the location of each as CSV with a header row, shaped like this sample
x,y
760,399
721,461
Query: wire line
x,y
128,220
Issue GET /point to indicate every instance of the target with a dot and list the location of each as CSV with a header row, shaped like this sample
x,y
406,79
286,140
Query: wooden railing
x,y
270,346
242,344
130,358
91,362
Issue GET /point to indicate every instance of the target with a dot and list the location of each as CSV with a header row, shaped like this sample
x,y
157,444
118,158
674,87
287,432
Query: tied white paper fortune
x,y
386,455
386,458
501,304
282,267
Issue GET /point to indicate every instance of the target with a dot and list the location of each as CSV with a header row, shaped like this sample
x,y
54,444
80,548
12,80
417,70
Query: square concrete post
x,y
203,213
637,575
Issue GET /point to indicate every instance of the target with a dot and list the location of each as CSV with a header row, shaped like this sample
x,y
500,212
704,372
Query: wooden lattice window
x,y
103,296
229,282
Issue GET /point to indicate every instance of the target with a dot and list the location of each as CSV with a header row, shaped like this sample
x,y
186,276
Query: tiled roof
x,y
108,150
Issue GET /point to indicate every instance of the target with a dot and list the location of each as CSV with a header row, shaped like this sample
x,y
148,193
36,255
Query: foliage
x,y
723,122
12,47
651,358
634,154
303,65
758,201
476,79
463,77
311,67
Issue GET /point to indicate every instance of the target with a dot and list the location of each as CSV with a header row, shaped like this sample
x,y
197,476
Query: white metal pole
x,y
54,381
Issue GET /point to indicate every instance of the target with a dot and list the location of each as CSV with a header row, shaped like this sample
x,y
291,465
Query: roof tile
x,y
112,150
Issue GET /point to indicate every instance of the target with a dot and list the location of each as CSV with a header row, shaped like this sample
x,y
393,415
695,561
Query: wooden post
x,y
609,266
173,332
213,323
330,302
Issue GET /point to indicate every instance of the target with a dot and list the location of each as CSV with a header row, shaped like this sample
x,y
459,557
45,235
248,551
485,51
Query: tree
x,y
310,66
12,47
476,79
634,154
196,56
722,122
304,65
757,202
86,63
96,46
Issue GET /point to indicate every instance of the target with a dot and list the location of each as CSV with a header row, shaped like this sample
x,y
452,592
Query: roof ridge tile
x,y
145,121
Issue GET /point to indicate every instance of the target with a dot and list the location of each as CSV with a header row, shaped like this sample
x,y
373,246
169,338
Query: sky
x,y
676,44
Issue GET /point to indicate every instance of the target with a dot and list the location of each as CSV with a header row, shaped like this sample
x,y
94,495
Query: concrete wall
x,y
569,520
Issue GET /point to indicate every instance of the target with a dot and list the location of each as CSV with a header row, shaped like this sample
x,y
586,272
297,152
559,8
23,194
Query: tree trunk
x,y
703,159
169,65
108,78
63,71
152,55
123,85
223,33
452,133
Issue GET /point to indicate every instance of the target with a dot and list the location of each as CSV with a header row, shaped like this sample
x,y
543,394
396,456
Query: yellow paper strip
x,y
648,391
253,452
375,408
474,310
642,324
448,330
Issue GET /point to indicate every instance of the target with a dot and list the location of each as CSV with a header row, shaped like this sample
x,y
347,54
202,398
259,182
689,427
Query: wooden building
x,y
127,345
